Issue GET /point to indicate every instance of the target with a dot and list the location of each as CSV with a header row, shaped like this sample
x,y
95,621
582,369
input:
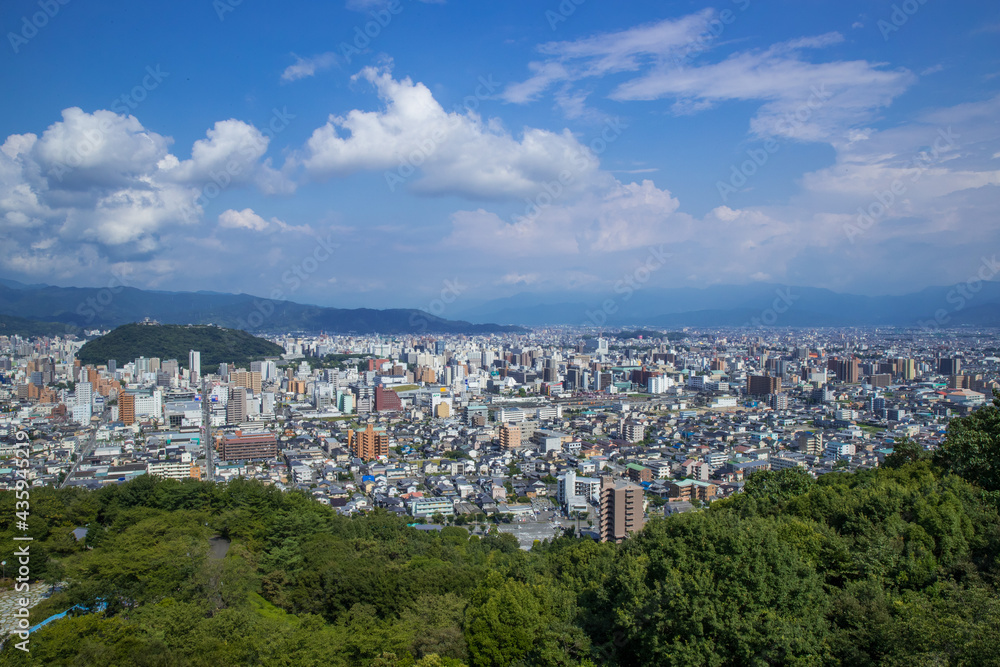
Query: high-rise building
x,y
510,436
847,370
126,408
368,443
779,401
194,366
762,385
907,368
236,408
621,509
949,365
251,380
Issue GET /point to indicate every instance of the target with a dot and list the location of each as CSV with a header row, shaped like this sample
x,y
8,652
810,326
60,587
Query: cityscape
x,y
523,431
555,333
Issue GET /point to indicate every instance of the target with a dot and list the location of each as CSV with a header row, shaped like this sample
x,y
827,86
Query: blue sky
x,y
514,147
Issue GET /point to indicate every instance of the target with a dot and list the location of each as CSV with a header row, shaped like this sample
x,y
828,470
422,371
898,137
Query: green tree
x,y
971,447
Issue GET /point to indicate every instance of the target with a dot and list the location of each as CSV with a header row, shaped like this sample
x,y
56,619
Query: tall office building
x,y
621,509
949,365
762,385
848,370
907,368
126,408
368,443
194,366
236,408
84,394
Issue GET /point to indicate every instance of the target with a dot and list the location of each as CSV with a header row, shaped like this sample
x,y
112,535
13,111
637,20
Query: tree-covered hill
x,y
896,566
174,341
11,325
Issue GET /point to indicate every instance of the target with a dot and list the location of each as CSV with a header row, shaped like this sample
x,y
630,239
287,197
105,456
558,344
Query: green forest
x,y
895,566
175,341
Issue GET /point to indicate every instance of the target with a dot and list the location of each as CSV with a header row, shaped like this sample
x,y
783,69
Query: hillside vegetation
x,y
895,566
174,341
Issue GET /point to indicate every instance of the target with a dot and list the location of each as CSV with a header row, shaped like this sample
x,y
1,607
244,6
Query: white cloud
x,y
305,67
666,59
453,153
624,51
245,219
248,219
621,218
98,187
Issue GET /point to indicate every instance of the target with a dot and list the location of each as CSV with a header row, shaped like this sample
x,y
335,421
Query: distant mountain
x,y
101,308
174,341
736,305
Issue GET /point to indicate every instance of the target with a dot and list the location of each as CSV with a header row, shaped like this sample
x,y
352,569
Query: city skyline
x,y
532,148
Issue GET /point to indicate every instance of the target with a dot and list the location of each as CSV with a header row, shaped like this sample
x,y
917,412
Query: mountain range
x,y
966,304
977,304
105,308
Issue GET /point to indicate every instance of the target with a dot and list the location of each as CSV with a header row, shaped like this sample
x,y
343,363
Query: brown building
x,y
510,436
368,443
692,489
126,408
762,385
880,380
249,379
621,510
242,446
638,473
386,399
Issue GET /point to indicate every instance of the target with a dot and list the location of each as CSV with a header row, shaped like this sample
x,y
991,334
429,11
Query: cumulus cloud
x,y
98,187
303,68
454,153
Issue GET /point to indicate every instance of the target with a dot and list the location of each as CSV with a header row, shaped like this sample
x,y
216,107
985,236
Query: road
x,y
85,452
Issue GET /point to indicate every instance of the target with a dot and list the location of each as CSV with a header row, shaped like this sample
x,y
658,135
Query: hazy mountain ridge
x,y
92,308
736,305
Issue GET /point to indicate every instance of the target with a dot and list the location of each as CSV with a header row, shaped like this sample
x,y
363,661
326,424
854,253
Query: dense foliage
x,y
174,341
896,566
19,326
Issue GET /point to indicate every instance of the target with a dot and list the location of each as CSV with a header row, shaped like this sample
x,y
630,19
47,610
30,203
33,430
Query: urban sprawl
x,y
533,434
